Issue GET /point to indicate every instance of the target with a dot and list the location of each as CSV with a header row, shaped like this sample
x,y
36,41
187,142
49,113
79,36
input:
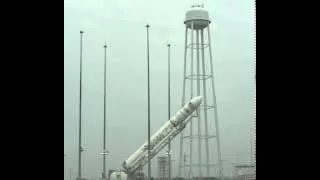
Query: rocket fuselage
x,y
157,141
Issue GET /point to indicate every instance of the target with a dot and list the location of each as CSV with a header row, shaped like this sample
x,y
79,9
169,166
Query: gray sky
x,y
121,23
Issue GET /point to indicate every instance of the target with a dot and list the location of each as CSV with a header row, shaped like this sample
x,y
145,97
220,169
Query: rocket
x,y
160,138
187,110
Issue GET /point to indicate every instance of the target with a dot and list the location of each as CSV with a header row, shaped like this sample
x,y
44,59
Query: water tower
x,y
199,143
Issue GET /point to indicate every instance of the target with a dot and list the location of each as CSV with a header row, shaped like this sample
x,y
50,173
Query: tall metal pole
x,y
149,154
80,108
254,124
104,119
70,174
255,166
169,113
65,170
251,148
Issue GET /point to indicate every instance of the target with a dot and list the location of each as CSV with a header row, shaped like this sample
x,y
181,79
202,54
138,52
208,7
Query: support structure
x,y
195,82
163,168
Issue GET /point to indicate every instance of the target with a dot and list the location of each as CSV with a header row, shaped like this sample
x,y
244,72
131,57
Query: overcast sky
x,y
121,23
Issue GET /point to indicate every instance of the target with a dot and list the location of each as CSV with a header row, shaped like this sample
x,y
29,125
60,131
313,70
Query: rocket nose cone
x,y
197,101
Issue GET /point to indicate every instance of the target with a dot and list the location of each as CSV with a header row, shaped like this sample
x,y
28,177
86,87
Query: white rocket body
x,y
160,139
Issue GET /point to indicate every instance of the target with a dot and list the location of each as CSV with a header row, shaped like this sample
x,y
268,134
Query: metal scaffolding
x,y
163,168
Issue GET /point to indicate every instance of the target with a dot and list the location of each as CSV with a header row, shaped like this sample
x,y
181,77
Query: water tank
x,y
199,16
